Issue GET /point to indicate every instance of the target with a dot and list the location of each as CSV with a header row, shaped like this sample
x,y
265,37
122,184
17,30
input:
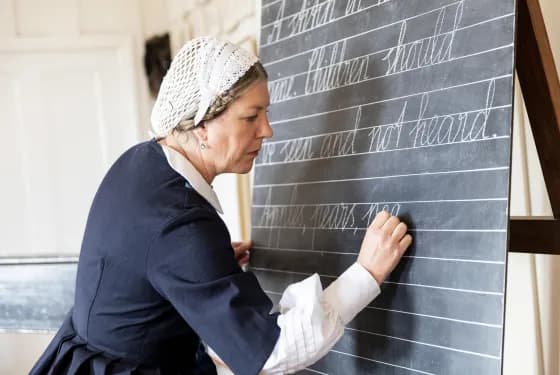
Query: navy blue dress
x,y
157,274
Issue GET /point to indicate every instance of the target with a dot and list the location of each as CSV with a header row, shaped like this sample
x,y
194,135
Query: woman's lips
x,y
254,153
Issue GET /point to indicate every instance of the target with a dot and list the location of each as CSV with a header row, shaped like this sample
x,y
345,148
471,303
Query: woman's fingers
x,y
390,225
243,260
241,249
383,245
242,245
399,232
380,219
405,243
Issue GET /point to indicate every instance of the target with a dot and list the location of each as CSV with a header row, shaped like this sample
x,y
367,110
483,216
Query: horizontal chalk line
x,y
393,98
257,186
385,282
427,344
379,152
356,253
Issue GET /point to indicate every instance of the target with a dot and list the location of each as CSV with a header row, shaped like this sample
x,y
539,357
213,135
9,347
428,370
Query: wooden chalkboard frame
x,y
541,91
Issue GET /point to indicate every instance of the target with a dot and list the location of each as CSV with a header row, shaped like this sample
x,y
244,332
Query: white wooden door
x,y
67,109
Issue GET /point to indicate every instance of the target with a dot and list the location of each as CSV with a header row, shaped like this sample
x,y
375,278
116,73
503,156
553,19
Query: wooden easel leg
x,y
541,90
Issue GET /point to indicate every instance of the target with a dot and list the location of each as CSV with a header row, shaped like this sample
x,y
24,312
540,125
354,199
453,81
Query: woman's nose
x,y
266,129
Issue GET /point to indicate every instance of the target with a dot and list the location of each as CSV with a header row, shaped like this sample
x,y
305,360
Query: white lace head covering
x,y
203,69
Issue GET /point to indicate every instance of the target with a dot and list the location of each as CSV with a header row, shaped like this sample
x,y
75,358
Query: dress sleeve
x,y
192,264
312,320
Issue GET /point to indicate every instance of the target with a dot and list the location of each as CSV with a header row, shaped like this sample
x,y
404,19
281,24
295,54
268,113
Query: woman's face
x,y
235,137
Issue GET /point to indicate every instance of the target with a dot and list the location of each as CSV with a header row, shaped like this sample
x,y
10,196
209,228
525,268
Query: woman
x,y
157,273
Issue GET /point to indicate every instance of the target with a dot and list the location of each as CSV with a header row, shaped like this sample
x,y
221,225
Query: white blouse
x,y
311,319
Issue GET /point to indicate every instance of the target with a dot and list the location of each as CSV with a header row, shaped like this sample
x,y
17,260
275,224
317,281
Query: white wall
x,y
59,46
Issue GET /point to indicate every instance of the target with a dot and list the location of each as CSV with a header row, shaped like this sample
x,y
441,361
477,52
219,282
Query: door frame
x,y
123,44
129,71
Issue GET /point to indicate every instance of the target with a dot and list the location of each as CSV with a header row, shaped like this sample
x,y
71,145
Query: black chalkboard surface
x,y
398,105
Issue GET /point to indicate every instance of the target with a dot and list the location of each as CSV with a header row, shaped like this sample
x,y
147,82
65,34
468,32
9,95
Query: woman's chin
x,y
243,168
246,169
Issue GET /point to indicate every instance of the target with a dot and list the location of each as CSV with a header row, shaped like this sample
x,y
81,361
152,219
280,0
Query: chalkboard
x,y
36,293
398,105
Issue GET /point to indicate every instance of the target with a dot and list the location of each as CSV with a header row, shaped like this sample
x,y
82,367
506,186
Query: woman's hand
x,y
383,246
241,250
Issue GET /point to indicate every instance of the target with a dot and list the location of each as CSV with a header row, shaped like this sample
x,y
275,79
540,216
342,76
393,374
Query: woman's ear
x,y
201,133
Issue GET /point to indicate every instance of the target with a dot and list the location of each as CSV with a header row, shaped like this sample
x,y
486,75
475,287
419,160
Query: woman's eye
x,y
251,118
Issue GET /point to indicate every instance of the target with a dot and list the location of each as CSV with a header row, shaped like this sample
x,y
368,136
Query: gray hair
x,y
254,74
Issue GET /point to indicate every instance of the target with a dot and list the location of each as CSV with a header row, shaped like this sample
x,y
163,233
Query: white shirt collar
x,y
183,166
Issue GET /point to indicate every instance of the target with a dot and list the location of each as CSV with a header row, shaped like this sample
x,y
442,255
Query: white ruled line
x,y
362,33
344,229
456,230
461,321
445,288
271,292
356,253
385,282
271,3
427,344
351,229
455,259
470,322
387,202
288,272
260,186
386,124
295,15
279,249
315,371
391,99
271,163
383,363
